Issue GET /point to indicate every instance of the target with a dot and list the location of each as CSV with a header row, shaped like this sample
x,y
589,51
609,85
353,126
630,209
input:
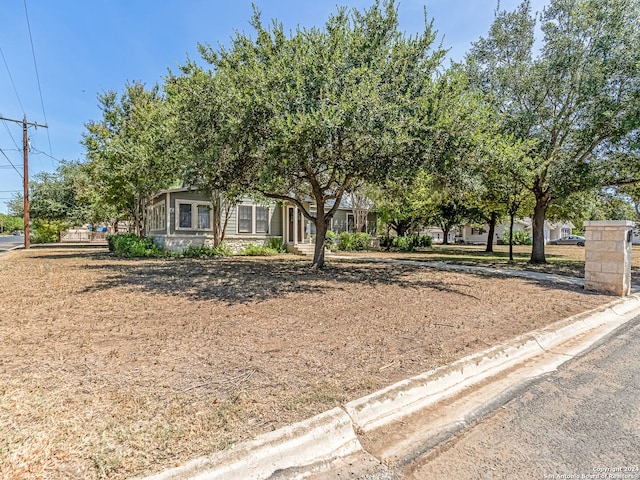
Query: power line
x,y
9,160
11,78
9,132
33,52
38,152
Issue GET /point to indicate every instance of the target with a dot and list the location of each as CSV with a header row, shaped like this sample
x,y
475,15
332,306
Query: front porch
x,y
299,232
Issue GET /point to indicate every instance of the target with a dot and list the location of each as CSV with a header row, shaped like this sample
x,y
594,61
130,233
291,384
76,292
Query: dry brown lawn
x,y
111,368
561,259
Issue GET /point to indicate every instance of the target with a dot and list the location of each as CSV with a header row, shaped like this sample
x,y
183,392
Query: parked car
x,y
569,240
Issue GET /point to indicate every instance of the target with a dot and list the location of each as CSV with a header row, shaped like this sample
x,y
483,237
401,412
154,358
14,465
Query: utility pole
x,y
25,172
25,177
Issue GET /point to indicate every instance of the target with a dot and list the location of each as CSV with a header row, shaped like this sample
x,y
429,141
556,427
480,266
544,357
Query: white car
x,y
569,240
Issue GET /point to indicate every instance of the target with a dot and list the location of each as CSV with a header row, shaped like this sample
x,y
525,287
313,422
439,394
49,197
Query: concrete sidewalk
x,y
545,277
539,276
401,422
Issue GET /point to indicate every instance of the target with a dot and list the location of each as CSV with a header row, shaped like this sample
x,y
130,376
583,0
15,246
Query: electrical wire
x,y
33,52
14,167
9,132
15,90
35,151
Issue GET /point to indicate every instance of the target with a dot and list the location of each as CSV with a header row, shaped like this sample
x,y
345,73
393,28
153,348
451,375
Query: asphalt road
x,y
582,421
9,241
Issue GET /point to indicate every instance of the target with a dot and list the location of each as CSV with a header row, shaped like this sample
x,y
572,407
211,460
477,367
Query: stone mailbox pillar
x,y
608,256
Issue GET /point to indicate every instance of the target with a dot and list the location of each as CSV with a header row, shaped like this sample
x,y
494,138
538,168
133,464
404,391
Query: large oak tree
x,y
311,113
576,100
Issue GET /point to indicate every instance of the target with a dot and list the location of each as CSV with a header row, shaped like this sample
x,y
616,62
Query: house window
x,y
193,215
157,216
477,231
184,210
245,223
351,223
565,232
204,217
262,220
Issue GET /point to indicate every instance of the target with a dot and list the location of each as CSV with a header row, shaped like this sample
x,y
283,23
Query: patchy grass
x,y
113,367
561,259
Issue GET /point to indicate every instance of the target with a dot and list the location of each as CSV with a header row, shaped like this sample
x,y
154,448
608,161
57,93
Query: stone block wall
x,y
608,256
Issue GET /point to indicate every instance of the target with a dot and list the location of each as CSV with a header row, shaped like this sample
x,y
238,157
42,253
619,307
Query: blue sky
x,y
83,48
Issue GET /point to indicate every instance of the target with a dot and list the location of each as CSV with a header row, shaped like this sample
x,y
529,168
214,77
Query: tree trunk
x,y
511,222
492,230
539,214
445,233
321,233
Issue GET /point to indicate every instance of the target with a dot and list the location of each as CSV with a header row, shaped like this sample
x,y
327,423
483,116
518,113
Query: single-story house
x,y
182,217
477,234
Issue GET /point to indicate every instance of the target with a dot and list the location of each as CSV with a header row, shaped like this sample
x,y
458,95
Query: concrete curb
x,y
330,437
409,396
17,247
321,438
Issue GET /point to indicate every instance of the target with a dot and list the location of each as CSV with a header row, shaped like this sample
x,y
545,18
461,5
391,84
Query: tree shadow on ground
x,y
238,280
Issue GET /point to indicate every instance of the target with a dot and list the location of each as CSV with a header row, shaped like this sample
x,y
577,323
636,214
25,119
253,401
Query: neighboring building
x,y
182,217
478,234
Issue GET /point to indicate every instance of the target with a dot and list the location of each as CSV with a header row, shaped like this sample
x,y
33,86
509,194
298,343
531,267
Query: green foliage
x,y
360,241
258,251
520,237
314,112
131,245
10,223
206,252
15,205
47,231
277,244
354,241
344,241
127,150
330,239
575,104
411,242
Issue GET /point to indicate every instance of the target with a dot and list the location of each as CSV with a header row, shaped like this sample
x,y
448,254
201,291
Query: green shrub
x,y
206,252
353,241
421,241
130,245
401,243
47,231
360,241
385,241
257,251
344,241
330,239
520,237
277,244
411,242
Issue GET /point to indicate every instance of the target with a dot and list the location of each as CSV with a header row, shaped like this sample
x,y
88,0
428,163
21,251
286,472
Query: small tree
x,y
127,151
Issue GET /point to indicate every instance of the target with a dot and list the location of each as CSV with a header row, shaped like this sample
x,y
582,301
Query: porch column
x,y
608,256
295,225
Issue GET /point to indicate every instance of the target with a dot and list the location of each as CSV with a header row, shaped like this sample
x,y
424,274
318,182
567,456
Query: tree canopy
x,y
308,115
576,101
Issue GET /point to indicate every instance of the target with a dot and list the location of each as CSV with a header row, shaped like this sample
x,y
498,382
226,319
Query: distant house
x,y
182,217
478,234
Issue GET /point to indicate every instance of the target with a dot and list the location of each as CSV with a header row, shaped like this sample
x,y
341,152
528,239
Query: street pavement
x,y
7,242
582,421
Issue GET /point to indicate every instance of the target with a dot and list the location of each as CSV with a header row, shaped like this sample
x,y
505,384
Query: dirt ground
x,y
112,368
